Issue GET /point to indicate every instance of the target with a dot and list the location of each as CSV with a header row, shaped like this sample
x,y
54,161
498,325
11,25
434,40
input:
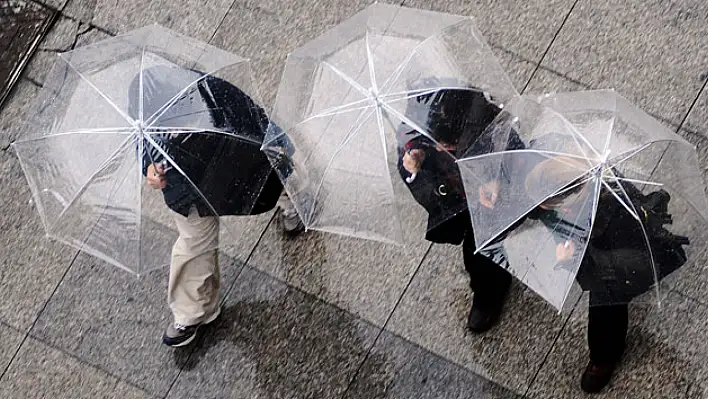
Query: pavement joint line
x,y
528,82
38,315
226,14
452,362
690,298
693,104
89,364
550,349
11,327
383,328
548,48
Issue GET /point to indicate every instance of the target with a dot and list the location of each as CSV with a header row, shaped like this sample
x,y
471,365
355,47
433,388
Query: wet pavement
x,y
322,316
22,27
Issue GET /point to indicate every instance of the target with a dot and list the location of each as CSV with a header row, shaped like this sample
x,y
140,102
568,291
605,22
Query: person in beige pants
x,y
194,282
193,289
203,175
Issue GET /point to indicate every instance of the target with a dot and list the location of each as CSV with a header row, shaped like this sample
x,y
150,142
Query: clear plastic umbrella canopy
x,y
603,198
111,109
351,99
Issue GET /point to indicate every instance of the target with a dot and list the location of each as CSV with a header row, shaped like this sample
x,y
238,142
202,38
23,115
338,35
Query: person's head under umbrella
x,y
451,113
567,178
620,225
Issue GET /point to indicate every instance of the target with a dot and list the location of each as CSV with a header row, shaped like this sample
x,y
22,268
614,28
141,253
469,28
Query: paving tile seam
x,y
85,363
550,349
26,58
218,26
693,104
38,315
550,44
696,301
450,361
390,315
11,327
79,20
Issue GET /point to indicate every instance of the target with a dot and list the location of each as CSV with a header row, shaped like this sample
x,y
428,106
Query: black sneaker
x,y
177,335
596,377
481,319
292,224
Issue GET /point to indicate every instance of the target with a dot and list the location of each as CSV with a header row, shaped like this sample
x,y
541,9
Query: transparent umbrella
x,y
110,110
603,197
350,101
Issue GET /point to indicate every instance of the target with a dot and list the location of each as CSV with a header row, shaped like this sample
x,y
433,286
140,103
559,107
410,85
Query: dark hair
x,y
453,112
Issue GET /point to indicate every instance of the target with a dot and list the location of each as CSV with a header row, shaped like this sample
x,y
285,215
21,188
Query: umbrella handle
x,y
411,178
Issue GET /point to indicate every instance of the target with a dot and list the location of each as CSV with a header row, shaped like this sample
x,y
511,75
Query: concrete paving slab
x,y
273,341
40,371
31,265
397,368
115,320
433,314
665,356
652,52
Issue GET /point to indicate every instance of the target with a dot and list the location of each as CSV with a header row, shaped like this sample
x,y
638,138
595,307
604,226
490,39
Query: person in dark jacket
x,y
455,119
206,159
617,265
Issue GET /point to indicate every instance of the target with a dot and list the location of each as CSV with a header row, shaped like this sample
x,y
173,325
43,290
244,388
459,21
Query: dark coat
x,y
231,173
438,186
616,266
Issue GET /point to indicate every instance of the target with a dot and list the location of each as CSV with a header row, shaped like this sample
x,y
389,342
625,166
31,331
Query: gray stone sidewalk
x,y
323,316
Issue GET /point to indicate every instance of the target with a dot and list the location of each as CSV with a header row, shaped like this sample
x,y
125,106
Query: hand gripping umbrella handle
x,y
411,178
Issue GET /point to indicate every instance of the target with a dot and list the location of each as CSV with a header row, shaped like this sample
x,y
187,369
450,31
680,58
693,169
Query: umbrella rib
x,y
100,93
609,135
421,92
621,201
179,169
649,183
153,118
551,155
345,141
595,204
206,110
328,112
84,187
185,130
399,69
646,240
142,95
88,131
370,61
414,125
629,154
523,215
382,133
139,189
635,151
644,147
340,112
348,79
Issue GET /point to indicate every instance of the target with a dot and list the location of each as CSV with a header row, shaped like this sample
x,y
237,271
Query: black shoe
x,y
481,319
177,335
596,377
292,224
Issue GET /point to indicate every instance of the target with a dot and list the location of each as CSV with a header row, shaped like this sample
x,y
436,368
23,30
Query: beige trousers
x,y
193,291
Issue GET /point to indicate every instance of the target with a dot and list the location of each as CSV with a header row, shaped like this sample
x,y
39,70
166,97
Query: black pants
x,y
489,281
607,331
